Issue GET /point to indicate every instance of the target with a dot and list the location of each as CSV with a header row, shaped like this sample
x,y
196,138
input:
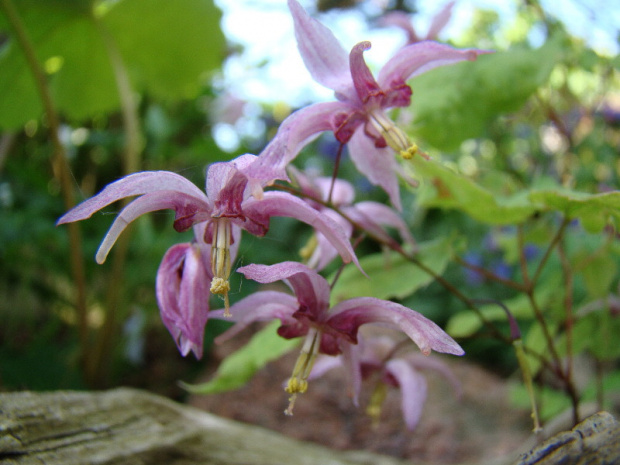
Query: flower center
x,y
393,135
298,382
373,410
220,260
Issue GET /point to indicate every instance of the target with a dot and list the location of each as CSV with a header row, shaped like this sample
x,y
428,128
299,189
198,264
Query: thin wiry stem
x,y
60,166
522,259
393,245
335,173
547,254
490,275
131,164
569,325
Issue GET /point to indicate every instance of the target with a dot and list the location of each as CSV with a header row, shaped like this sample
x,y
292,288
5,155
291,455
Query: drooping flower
x,y
327,330
403,20
358,118
182,289
375,359
373,217
234,197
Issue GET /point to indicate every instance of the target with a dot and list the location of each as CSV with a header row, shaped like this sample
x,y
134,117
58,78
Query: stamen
x,y
220,260
298,382
376,402
410,152
393,135
307,251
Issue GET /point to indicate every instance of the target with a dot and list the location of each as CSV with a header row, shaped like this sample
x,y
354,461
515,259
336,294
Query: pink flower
x,y
358,118
373,217
403,20
182,289
327,330
234,198
374,359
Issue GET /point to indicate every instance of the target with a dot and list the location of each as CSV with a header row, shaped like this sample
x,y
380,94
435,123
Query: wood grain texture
x,y
594,441
127,426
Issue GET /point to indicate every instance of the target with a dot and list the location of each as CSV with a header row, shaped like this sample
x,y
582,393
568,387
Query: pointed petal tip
x,y
474,53
363,45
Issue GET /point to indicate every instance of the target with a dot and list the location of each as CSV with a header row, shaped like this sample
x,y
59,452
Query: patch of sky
x,y
270,68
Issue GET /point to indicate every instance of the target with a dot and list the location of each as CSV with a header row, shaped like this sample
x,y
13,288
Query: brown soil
x,y
478,427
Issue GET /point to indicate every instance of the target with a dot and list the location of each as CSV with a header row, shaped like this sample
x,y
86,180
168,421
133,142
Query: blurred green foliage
x,y
517,205
167,48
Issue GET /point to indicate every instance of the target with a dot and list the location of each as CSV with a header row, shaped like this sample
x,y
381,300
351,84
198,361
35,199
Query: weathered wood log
x,y
594,441
127,426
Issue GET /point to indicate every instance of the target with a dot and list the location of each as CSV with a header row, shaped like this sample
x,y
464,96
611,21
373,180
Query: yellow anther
x,y
394,137
298,382
307,250
296,385
220,260
376,402
409,152
220,286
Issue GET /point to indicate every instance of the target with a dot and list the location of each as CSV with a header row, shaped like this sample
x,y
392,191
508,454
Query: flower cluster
x,y
241,195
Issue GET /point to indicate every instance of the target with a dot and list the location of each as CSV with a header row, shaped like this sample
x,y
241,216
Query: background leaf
x,y
455,103
445,188
392,276
167,47
594,210
466,323
239,367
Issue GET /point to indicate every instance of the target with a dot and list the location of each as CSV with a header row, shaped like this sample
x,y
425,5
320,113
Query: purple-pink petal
x,y
351,360
220,174
311,289
402,20
188,211
325,252
321,52
182,290
377,164
346,317
135,184
374,216
363,80
413,390
439,21
299,129
343,192
420,362
259,306
420,57
284,204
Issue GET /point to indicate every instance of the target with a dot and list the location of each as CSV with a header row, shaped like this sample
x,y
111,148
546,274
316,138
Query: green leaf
x,y
601,328
536,341
551,402
239,367
391,275
445,188
169,47
584,332
594,211
455,103
166,47
599,275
